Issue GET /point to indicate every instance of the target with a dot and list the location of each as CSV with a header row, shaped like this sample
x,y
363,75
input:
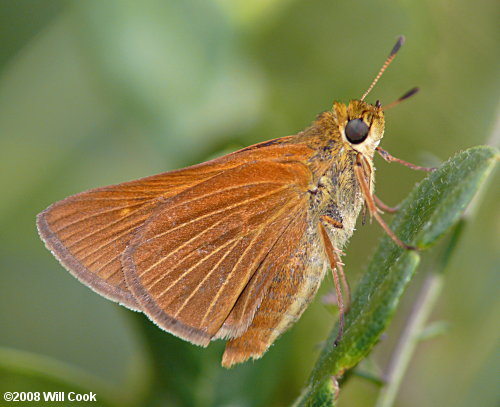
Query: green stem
x,y
412,333
407,344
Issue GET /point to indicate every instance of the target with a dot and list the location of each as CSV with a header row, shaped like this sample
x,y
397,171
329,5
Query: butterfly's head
x,y
361,125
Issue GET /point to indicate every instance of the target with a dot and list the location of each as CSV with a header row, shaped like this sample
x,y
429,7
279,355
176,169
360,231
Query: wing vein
x,y
226,281
98,270
195,265
99,230
265,257
176,250
92,216
110,198
206,277
217,211
219,191
97,248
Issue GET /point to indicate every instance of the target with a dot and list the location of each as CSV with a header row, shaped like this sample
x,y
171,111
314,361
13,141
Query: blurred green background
x,y
99,92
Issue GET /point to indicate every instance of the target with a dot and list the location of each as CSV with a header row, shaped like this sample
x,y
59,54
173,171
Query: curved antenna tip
x,y
410,93
400,42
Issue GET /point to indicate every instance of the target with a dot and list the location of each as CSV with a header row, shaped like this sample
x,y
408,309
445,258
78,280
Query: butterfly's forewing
x,y
88,232
191,261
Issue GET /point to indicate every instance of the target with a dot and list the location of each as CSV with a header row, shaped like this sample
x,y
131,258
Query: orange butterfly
x,y
234,248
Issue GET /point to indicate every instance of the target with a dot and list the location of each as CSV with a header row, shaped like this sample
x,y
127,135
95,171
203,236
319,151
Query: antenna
x,y
395,49
408,94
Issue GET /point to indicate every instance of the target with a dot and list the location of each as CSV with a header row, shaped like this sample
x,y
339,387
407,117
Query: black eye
x,y
356,131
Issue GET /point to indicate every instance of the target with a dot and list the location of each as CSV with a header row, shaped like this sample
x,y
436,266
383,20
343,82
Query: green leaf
x,y
430,210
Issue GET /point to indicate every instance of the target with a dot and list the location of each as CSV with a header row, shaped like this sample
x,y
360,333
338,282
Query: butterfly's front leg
x,y
391,159
361,175
384,207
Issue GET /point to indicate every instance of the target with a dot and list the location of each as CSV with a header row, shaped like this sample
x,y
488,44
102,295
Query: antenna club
x,y
410,93
407,95
398,45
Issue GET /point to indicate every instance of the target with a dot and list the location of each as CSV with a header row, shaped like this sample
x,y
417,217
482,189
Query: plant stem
x,y
412,334
409,339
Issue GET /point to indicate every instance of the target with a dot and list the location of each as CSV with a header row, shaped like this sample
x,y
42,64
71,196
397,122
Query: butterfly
x,y
234,248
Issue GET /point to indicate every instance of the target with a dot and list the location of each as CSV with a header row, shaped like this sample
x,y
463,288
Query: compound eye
x,y
356,131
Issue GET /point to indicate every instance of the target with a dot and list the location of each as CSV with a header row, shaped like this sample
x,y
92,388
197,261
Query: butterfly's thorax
x,y
338,197
336,192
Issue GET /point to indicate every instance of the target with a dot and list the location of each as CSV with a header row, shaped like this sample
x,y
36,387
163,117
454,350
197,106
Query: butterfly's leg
x,y
337,270
370,203
384,207
345,284
333,222
391,159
